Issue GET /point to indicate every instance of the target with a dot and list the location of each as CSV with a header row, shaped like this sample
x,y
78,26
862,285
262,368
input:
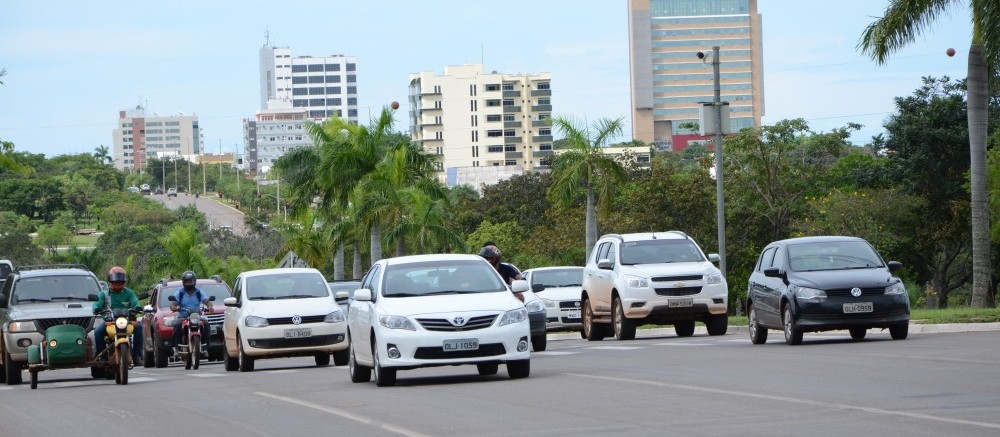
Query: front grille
x,y
215,319
474,323
85,322
676,278
846,292
839,316
569,304
288,320
318,340
678,291
438,353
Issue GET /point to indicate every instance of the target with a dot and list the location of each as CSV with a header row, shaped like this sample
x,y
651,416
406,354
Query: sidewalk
x,y
742,330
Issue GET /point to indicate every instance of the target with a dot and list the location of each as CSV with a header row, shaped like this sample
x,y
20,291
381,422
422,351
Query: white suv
x,y
657,277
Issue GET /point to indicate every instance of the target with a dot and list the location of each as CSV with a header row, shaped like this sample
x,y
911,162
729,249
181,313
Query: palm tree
x,y
102,155
902,22
427,222
307,240
585,167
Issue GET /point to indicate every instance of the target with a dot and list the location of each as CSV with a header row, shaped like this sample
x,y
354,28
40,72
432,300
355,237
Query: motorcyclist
x,y
492,254
118,297
187,300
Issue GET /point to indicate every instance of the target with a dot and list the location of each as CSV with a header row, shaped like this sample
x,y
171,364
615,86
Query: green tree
x,y
102,155
52,236
902,22
584,168
9,162
15,240
517,199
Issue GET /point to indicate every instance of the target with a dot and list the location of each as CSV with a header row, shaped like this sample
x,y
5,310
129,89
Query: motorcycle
x,y
119,325
195,342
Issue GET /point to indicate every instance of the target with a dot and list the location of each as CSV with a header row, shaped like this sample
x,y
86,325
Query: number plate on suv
x,y
680,303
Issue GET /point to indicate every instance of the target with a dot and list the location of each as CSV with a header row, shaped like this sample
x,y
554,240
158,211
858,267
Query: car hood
x,y
449,303
668,269
835,279
560,293
290,307
50,310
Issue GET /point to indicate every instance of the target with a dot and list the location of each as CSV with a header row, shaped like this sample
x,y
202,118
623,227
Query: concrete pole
x,y
719,194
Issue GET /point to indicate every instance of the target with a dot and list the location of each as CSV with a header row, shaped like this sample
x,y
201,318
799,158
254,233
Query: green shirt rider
x,y
119,297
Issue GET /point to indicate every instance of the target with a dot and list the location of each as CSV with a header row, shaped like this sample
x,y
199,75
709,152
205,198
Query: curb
x,y
743,330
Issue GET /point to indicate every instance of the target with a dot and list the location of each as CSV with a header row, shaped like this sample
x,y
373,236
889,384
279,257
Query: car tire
x,y
160,354
245,361
358,372
624,328
858,334
684,329
717,324
340,358
899,332
97,372
384,377
793,335
518,369
590,330
487,368
322,359
232,363
758,334
11,370
538,343
147,356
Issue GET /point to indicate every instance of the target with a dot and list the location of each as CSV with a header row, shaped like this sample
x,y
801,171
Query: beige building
x,y
471,119
139,137
668,79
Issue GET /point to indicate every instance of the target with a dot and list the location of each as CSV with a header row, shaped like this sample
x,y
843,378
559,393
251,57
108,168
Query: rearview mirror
x,y
148,309
363,295
229,302
172,298
604,264
211,298
519,286
714,257
90,297
537,287
895,266
341,296
772,272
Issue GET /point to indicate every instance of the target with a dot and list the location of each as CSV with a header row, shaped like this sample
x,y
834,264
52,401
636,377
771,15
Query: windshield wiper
x,y
32,299
263,298
296,296
69,298
404,295
859,267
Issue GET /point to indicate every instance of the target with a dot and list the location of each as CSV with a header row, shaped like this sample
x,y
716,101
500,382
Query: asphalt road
x,y
928,385
218,214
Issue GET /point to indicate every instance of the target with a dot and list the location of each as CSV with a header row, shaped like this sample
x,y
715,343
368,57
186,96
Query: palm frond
x,y
902,22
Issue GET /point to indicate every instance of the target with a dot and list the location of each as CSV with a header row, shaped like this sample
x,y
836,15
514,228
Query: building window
x,y
300,91
332,67
315,67
509,133
493,117
508,87
474,120
299,79
510,162
494,133
351,67
508,102
474,105
352,101
549,132
351,78
494,149
475,136
317,91
439,135
352,90
333,102
472,89
545,146
352,112
545,101
492,87
333,90
492,103
509,148
315,79
333,79
542,85
317,102
298,69
509,117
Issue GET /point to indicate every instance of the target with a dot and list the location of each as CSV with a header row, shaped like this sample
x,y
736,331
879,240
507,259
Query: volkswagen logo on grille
x,y
296,320
458,321
856,292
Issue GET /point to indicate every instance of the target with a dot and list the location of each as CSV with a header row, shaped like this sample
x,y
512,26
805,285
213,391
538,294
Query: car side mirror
x,y
341,296
90,298
172,298
148,309
519,286
363,295
211,298
143,295
772,272
229,301
895,266
537,287
714,257
604,264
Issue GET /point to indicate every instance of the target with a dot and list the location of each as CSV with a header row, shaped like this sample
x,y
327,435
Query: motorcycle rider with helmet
x,y
492,254
118,297
188,299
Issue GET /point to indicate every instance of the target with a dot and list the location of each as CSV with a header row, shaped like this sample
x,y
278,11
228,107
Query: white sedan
x,y
559,288
436,310
282,313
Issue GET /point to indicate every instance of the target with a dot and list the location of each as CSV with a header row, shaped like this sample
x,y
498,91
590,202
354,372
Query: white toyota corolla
x,y
436,310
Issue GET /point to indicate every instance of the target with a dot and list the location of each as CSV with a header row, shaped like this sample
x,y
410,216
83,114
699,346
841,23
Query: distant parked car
x,y
145,189
171,192
159,190
825,283
559,288
134,189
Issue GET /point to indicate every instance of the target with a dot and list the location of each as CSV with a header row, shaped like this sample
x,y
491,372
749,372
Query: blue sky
x,y
71,66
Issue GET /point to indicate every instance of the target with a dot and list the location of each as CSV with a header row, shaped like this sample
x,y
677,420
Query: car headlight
x,y
636,281
807,293
25,326
897,288
334,317
396,322
549,303
121,323
714,278
535,306
255,322
514,316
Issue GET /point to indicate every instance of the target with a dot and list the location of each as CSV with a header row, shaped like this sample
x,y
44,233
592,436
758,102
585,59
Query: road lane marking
x,y
793,400
554,353
207,375
347,415
615,348
682,344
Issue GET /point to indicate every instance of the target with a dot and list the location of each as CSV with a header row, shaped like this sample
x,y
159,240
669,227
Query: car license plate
x,y
298,333
214,329
680,303
858,307
465,344
571,314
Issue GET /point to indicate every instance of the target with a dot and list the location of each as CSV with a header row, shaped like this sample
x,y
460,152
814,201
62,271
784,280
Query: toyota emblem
x,y
458,321
856,292
296,320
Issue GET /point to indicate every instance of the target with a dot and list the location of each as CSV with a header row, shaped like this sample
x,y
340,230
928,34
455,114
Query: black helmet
x,y
189,279
489,254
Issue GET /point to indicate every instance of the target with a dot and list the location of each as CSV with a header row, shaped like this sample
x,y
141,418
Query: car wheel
x,y
793,335
717,324
487,368
858,333
246,362
358,372
899,332
160,354
538,343
97,372
232,363
340,358
624,328
322,359
684,329
758,334
147,356
589,328
34,379
12,370
518,369
383,377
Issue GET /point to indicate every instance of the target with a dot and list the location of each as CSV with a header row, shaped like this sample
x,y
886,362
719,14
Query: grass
x,y
84,241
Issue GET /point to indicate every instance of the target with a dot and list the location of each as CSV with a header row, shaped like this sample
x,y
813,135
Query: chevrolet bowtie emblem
x,y
678,284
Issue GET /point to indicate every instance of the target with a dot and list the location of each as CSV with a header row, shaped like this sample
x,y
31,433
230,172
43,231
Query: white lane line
x,y
554,353
682,344
793,400
207,375
615,348
141,379
347,415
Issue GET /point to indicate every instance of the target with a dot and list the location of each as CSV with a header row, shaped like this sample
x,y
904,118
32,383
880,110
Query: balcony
x,y
428,140
431,123
513,155
541,93
508,124
542,167
542,123
430,108
541,138
430,93
511,109
542,153
511,140
542,108
512,94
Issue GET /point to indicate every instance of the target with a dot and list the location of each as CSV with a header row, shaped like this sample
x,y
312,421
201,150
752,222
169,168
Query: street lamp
x,y
717,129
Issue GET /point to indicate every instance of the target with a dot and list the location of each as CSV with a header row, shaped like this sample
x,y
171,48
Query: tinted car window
x,y
220,291
602,251
834,255
558,277
54,288
286,286
441,277
659,251
765,259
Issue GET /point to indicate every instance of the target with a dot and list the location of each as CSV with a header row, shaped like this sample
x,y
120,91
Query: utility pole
x,y
190,157
719,194
204,179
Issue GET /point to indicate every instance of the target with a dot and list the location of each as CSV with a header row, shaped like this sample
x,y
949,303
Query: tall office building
x,y
668,79
137,138
271,133
322,86
471,118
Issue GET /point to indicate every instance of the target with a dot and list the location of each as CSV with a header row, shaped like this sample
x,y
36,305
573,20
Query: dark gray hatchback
x,y
827,283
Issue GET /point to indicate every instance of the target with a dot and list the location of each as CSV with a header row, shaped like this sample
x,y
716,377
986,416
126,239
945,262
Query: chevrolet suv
x,y
35,298
656,277
158,320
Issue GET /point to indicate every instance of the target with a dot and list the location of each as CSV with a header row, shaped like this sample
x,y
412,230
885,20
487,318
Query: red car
x,y
157,320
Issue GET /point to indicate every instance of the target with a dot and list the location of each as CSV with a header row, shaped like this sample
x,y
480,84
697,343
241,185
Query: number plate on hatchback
x,y
465,344
858,307
298,333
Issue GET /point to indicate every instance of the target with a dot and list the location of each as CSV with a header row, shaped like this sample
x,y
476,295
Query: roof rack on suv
x,y
50,266
217,278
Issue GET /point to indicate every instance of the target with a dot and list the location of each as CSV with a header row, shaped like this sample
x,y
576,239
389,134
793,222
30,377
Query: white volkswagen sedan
x,y
436,310
559,288
283,313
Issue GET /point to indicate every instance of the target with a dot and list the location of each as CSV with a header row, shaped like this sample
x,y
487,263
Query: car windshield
x,y
568,277
219,290
300,285
440,277
60,288
660,251
832,255
348,286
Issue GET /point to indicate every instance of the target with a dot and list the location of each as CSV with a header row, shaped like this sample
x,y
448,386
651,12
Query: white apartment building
x,y
272,133
322,86
471,118
138,137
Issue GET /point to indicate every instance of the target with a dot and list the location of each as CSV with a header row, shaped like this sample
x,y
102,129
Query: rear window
x,y
558,277
61,288
286,286
220,291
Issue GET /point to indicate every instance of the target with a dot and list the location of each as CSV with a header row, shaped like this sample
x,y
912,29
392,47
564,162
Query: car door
x,y
361,317
772,289
231,319
756,291
601,281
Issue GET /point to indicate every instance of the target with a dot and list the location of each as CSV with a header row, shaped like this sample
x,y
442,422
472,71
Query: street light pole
x,y
719,194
